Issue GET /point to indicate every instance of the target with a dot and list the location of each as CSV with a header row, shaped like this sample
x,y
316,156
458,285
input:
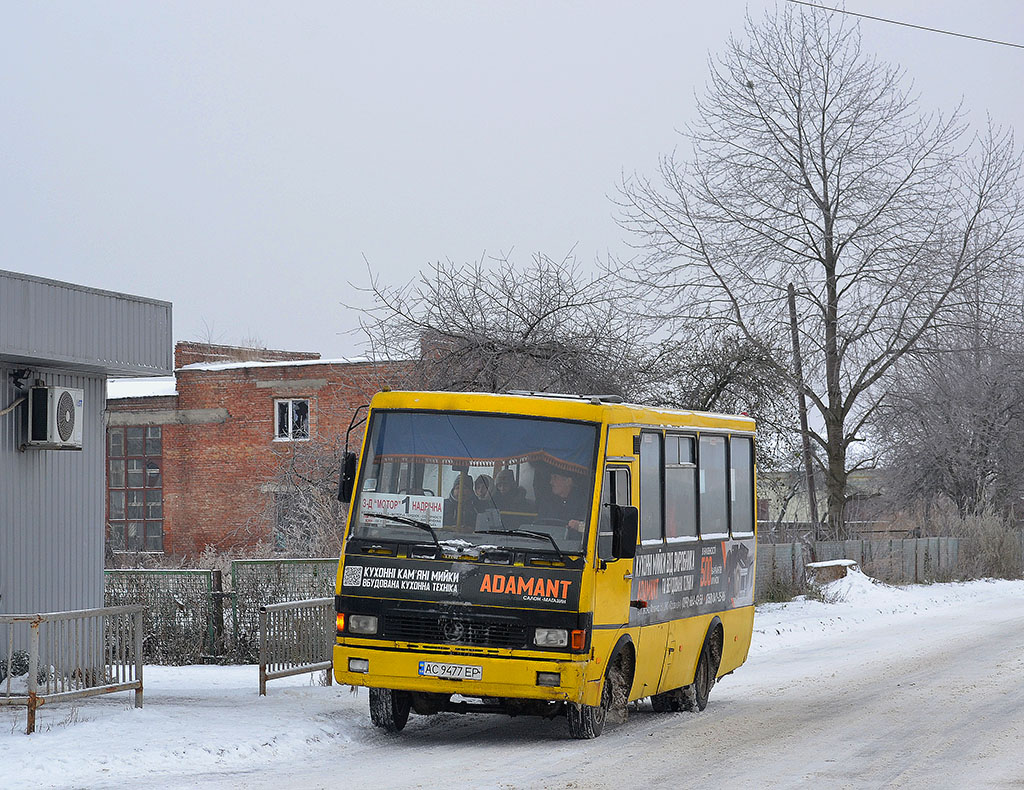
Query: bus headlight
x,y
362,624
551,637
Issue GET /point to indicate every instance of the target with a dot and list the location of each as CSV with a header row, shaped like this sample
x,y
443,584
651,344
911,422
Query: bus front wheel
x,y
389,709
587,721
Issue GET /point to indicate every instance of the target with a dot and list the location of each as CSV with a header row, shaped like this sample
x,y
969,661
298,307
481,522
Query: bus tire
x,y
695,696
665,702
587,721
389,709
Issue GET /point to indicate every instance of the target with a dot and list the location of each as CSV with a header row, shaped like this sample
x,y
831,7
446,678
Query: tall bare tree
x,y
493,326
812,164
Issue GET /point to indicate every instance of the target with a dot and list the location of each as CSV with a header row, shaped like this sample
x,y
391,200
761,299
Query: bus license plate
x,y
435,669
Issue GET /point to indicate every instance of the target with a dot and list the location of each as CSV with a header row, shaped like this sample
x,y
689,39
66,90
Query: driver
x,y
566,502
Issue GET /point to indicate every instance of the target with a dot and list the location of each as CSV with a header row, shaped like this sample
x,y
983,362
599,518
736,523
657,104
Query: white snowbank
x,y
857,586
209,722
859,600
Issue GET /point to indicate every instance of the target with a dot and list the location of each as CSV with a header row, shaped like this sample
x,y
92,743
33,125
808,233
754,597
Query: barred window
x,y
135,488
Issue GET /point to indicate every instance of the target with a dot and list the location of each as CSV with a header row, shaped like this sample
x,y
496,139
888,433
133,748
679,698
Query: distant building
x,y
784,509
194,459
69,339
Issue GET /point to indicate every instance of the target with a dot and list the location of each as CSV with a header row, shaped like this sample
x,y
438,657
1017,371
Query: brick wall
x,y
189,353
217,464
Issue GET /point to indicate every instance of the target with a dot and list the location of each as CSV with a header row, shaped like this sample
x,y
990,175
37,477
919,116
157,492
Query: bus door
x,y
614,577
647,603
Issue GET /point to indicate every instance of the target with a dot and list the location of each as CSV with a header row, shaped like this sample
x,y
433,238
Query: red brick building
x,y
202,459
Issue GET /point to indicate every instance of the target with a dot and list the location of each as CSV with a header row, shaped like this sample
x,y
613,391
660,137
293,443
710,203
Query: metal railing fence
x,y
296,637
259,583
58,656
179,626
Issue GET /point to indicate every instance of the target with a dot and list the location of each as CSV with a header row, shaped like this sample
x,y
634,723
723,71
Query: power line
x,y
907,24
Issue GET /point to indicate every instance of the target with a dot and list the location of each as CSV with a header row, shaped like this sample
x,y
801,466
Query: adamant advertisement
x,y
693,579
491,585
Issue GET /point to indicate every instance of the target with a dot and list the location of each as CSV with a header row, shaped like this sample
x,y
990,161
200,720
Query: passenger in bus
x,y
483,488
509,496
565,503
459,507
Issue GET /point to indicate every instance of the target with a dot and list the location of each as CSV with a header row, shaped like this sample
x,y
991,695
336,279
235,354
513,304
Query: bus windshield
x,y
477,480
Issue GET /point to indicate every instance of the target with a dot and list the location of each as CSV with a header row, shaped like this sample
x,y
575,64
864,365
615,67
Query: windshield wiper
x,y
524,533
410,522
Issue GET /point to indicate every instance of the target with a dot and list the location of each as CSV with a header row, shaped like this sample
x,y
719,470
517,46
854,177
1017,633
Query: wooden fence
x,y
899,561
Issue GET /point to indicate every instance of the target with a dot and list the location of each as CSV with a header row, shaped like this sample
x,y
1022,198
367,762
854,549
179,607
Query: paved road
x,y
936,701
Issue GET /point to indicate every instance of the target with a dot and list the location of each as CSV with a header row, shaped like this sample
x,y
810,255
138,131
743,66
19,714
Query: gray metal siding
x,y
78,328
52,506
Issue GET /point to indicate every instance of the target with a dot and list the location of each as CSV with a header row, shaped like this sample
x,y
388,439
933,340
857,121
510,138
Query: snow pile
x,y
858,586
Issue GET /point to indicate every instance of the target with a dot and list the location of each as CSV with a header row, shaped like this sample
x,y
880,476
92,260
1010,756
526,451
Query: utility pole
x,y
802,403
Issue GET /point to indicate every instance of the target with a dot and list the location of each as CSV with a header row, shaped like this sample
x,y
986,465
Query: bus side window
x,y
650,487
680,487
614,491
714,504
741,471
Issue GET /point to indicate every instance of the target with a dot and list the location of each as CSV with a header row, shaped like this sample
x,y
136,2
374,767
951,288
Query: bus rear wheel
x,y
587,721
666,701
695,696
389,709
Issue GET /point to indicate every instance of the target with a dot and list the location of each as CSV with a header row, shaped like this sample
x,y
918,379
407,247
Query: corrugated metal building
x,y
52,501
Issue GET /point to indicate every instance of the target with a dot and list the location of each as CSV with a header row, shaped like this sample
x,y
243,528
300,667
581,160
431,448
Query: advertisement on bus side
x,y
691,579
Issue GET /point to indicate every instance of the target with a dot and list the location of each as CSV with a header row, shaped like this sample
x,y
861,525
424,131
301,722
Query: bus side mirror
x,y
625,523
347,480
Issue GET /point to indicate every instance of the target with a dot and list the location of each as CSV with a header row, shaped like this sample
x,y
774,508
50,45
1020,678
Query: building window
x,y
292,420
135,502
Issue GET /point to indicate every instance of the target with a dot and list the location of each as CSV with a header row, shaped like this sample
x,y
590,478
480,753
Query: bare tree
x,y
491,326
727,373
811,164
302,515
950,428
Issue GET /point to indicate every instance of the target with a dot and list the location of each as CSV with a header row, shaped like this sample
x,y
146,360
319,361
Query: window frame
x,y
695,466
611,471
725,437
151,448
290,437
660,434
752,468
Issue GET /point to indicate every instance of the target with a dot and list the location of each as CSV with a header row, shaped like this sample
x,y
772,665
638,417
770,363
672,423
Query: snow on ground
x,y
210,721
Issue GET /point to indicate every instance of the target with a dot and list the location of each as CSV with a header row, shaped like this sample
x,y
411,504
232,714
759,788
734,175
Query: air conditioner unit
x,y
55,418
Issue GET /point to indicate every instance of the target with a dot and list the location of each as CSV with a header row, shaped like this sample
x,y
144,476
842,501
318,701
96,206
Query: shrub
x,y
990,547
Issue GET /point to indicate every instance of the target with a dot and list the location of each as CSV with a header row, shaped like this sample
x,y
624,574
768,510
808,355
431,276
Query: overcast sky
x,y
246,161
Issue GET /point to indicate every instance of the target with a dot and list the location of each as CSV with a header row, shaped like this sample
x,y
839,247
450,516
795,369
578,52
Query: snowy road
x,y
914,688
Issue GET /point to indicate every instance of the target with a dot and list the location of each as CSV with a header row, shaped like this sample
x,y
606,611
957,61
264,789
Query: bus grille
x,y
448,629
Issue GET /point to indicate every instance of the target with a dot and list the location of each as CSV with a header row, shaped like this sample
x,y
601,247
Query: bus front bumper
x,y
511,677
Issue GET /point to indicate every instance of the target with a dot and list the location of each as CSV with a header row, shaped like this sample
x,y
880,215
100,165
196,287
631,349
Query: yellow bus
x,y
544,554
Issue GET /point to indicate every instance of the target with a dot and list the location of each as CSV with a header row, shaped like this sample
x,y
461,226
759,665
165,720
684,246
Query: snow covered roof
x,y
151,387
285,364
